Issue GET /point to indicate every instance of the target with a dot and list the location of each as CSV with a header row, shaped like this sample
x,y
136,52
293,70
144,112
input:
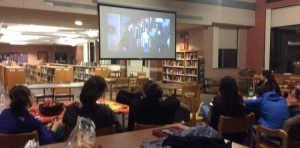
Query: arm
x,y
252,105
214,118
131,119
46,136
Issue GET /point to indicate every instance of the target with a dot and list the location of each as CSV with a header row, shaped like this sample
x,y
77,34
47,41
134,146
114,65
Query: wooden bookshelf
x,y
183,69
12,75
82,73
49,74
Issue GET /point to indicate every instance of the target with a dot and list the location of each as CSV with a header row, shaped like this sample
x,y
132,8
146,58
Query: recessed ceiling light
x,y
78,22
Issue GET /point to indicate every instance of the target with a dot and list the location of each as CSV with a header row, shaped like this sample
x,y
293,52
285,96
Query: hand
x,y
56,125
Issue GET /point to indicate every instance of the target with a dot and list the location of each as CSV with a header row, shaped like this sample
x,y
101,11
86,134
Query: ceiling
x,y
28,26
62,27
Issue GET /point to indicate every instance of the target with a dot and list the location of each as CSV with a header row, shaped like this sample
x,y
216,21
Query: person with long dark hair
x,y
270,105
100,114
228,103
16,119
267,82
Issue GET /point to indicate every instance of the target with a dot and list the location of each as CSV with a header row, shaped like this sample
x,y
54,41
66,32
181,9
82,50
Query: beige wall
x,y
211,42
285,16
32,51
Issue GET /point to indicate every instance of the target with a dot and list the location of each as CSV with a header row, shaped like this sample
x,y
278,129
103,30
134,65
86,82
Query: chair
x,y
191,97
41,98
121,84
140,83
102,72
141,74
17,140
99,132
139,126
292,128
279,133
63,93
231,125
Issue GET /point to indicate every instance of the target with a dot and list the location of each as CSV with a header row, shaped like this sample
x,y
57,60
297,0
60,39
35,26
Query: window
x,y
227,58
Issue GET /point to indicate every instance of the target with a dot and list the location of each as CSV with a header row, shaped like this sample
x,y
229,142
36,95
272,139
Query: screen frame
x,y
137,8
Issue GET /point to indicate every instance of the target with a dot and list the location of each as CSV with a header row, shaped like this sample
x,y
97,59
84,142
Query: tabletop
x,y
115,107
132,139
55,85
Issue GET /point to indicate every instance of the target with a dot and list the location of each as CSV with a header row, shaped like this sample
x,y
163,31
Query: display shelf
x,y
183,69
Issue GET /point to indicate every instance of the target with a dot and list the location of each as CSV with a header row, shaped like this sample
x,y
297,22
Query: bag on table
x,y
83,135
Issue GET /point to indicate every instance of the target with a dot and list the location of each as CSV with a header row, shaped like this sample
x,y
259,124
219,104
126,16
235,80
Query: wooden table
x,y
128,139
52,86
116,107
171,87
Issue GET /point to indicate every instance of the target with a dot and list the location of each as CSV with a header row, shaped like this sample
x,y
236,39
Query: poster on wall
x,y
61,57
18,57
184,41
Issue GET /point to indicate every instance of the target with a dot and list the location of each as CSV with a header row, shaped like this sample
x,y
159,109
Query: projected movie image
x,y
137,34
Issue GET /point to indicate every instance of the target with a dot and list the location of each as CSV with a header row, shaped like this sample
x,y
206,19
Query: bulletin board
x,y
18,57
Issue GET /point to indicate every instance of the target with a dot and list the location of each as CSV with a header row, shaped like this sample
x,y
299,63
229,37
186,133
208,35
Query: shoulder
x,y
74,107
217,100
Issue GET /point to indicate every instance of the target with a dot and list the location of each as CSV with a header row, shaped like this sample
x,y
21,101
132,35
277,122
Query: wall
x,y
213,41
33,49
256,34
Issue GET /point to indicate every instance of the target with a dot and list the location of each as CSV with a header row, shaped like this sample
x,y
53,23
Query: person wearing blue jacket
x,y
16,119
272,109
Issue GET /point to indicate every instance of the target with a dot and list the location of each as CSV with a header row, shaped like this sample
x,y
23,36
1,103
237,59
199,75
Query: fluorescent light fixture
x,y
92,33
32,28
78,22
70,41
18,43
15,38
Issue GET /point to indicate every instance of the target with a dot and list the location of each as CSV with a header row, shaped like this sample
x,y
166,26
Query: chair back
x,y
105,73
231,125
141,74
292,128
279,133
191,97
17,140
99,132
141,82
106,131
121,84
139,126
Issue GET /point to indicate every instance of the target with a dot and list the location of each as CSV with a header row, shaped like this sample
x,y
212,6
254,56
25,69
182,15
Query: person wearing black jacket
x,y
152,109
100,114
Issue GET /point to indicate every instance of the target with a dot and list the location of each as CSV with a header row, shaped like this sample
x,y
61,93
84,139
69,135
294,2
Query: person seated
x,y
270,105
100,114
294,96
151,109
267,80
17,119
227,103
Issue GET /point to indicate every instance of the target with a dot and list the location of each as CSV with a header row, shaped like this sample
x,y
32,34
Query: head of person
x,y
266,75
20,99
152,91
270,82
296,93
92,90
228,88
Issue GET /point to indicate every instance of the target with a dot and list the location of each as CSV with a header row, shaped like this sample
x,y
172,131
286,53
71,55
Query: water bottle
x,y
250,91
